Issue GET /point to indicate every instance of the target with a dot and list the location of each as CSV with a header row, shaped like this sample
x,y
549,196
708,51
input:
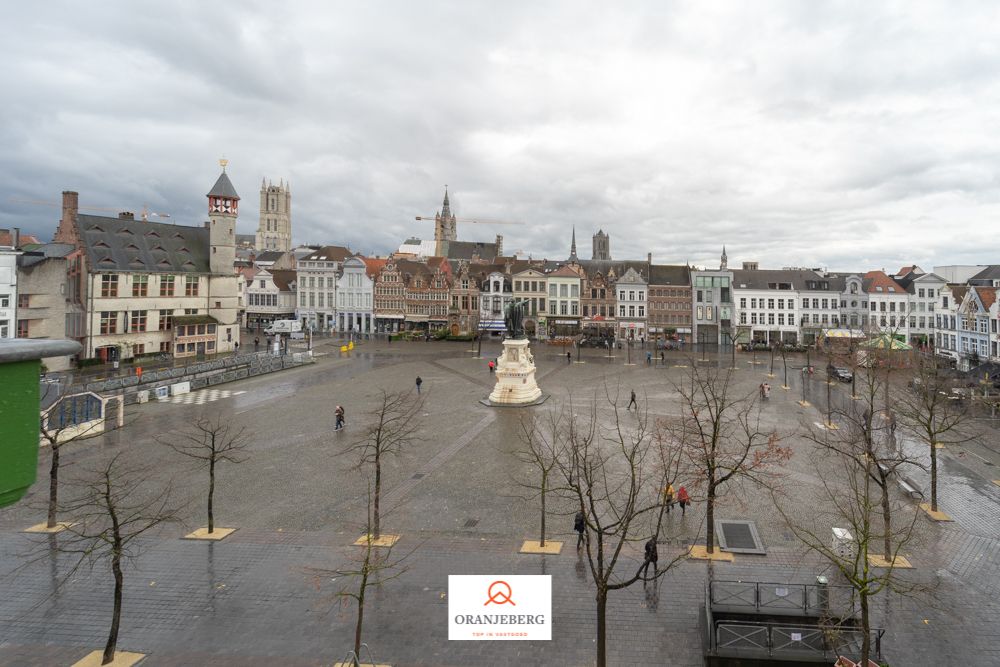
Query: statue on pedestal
x,y
513,318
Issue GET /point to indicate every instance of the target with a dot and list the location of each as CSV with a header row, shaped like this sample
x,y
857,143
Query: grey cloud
x,y
844,135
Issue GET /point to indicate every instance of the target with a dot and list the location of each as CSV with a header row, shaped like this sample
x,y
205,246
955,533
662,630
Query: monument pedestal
x,y
515,373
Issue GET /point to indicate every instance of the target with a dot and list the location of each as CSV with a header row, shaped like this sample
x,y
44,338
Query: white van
x,y
284,327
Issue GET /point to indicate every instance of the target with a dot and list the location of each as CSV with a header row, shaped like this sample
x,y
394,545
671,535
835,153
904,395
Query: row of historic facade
x,y
125,287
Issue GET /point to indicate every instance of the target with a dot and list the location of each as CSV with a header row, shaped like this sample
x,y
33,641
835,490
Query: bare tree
x,y
392,426
929,411
373,567
541,451
852,498
115,505
211,441
722,438
614,476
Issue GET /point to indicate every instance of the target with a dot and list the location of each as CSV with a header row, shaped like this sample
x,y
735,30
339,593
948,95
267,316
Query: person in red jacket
x,y
683,499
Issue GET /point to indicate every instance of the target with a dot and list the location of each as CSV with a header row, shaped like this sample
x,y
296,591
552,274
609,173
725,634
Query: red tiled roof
x,y
7,238
874,279
373,266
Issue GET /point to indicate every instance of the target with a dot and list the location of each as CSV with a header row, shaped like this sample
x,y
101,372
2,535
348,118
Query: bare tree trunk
x,y
886,519
109,648
541,541
53,486
866,642
602,616
211,494
376,530
933,476
357,631
710,519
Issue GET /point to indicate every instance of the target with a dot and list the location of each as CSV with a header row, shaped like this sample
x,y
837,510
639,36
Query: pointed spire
x,y
725,259
572,247
446,206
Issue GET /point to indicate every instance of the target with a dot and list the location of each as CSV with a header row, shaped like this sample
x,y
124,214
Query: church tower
x,y
223,287
724,260
445,226
274,231
572,247
602,246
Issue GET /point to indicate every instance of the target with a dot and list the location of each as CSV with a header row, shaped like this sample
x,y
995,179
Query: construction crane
x,y
476,222
144,214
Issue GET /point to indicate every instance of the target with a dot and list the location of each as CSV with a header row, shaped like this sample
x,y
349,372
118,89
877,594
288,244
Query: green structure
x,y
20,363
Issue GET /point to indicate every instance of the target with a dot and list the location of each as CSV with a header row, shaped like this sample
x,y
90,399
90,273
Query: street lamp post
x,y
479,354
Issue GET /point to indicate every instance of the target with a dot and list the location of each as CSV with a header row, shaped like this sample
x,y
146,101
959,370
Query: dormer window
x,y
152,234
101,244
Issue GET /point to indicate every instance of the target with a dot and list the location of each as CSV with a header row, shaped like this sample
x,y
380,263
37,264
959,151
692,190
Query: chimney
x,y
70,204
126,215
15,237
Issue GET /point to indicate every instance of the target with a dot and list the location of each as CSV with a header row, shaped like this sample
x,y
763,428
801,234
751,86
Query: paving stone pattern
x,y
266,594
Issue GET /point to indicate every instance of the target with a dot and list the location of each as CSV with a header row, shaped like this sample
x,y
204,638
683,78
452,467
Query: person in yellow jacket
x,y
668,496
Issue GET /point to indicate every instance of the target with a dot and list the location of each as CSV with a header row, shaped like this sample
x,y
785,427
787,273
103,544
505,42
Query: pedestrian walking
x,y
767,391
683,499
491,365
256,343
236,347
339,412
663,358
632,402
569,358
579,525
669,496
649,358
419,382
760,390
651,557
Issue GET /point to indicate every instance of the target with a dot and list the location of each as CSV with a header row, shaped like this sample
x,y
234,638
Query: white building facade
x,y
8,292
631,304
494,296
355,295
316,285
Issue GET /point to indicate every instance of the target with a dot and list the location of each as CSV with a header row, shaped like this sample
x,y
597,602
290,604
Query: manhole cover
x,y
739,537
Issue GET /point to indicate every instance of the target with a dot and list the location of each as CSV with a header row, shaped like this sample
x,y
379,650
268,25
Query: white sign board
x,y
180,388
499,607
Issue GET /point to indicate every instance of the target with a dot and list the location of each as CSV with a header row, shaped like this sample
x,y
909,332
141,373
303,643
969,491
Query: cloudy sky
x,y
851,135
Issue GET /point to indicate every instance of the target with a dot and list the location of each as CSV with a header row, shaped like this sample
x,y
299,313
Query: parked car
x,y
841,373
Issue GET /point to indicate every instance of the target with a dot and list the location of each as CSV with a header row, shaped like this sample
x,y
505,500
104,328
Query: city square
x,y
455,496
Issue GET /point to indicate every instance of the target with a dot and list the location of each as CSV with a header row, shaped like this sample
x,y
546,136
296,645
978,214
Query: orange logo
x,y
502,594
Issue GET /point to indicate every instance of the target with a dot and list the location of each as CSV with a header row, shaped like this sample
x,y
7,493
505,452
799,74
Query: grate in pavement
x,y
470,523
419,475
739,537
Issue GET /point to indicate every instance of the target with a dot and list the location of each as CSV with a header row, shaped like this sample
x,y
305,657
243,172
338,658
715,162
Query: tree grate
x,y
419,475
470,523
739,537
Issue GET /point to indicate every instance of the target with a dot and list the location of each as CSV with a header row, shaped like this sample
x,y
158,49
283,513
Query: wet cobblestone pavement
x,y
255,598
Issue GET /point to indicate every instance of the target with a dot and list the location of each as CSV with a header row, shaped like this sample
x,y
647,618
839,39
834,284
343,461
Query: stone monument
x,y
516,367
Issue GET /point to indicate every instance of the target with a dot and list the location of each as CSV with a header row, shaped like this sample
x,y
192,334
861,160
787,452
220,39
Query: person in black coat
x,y
579,525
651,557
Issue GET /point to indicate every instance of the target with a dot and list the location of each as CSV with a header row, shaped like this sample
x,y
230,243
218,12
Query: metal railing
x,y
781,639
763,597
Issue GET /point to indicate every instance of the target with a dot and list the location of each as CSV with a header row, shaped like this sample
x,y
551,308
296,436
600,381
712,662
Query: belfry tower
x,y
445,226
223,286
274,232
